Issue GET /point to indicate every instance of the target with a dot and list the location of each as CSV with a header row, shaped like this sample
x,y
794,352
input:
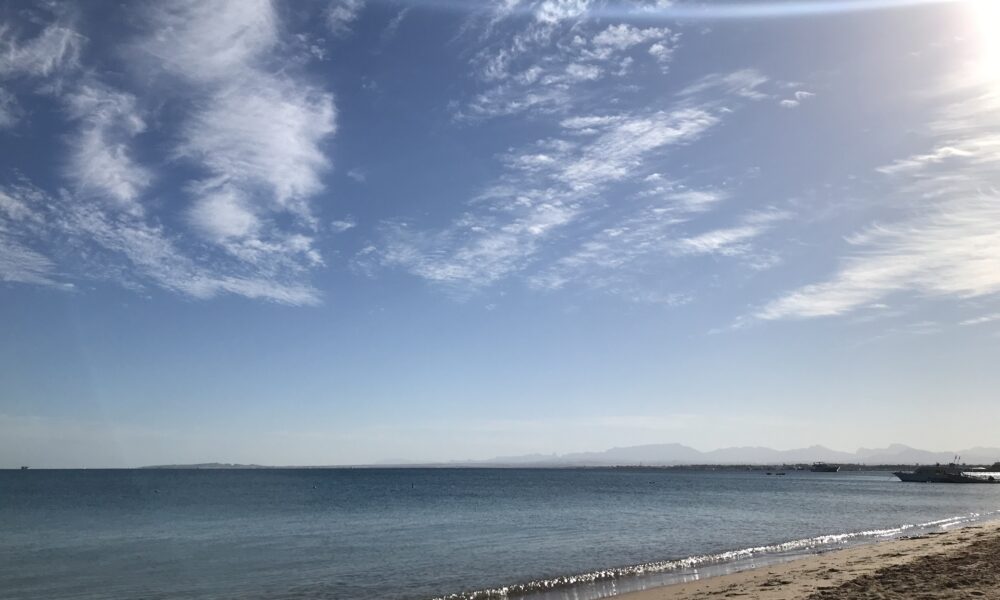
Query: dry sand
x,y
959,563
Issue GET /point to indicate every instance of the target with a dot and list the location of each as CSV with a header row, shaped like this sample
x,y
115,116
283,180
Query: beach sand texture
x,y
961,563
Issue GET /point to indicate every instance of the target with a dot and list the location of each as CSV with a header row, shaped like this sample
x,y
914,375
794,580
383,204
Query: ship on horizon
x,y
822,467
951,473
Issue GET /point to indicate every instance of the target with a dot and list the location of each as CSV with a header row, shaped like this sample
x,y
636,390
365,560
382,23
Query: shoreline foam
x,y
963,562
633,581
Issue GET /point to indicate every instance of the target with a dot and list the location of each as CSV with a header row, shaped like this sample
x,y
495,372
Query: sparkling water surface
x,y
417,533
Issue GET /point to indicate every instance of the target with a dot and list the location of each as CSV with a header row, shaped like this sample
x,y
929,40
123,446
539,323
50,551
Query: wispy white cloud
x,y
358,175
263,132
620,259
101,163
576,72
477,250
10,110
540,66
616,149
222,213
341,15
483,247
208,41
122,246
250,127
949,252
949,247
729,241
23,265
662,52
21,219
693,201
156,256
393,26
990,318
590,123
342,225
746,83
14,207
609,259
253,135
920,161
554,11
623,36
796,99
553,187
56,47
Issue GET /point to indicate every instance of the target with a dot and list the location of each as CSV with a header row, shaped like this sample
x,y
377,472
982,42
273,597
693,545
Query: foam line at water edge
x,y
803,546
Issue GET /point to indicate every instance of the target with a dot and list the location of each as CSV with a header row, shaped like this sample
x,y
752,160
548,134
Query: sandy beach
x,y
960,563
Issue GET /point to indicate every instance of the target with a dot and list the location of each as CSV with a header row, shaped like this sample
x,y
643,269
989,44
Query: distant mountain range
x,y
678,454
214,465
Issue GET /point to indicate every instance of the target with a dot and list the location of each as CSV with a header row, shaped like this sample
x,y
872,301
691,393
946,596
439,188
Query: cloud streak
x,y
951,252
20,264
655,11
949,247
556,188
564,176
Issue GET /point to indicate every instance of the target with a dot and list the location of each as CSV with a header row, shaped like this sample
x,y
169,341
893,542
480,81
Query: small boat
x,y
822,467
950,473
24,468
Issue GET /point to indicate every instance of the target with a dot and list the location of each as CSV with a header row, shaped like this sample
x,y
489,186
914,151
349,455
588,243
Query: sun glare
x,y
985,16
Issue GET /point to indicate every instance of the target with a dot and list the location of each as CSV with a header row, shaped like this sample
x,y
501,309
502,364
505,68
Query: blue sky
x,y
350,231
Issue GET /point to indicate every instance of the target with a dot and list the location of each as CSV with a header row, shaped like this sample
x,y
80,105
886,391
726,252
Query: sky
x,y
356,231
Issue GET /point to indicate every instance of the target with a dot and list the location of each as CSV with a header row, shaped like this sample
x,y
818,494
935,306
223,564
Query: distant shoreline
x,y
659,456
738,467
787,468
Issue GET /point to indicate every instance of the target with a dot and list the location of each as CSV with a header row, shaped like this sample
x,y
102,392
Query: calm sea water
x,y
417,534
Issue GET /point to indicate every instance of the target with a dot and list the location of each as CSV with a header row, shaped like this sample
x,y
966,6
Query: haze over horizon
x,y
348,231
653,454
672,454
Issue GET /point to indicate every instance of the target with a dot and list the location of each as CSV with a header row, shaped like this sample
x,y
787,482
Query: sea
x,y
421,534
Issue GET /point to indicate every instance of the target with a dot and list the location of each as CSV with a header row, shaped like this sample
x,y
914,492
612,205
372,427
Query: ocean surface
x,y
432,533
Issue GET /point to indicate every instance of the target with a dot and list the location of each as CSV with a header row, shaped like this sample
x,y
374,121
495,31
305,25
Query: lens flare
x,y
765,10
703,11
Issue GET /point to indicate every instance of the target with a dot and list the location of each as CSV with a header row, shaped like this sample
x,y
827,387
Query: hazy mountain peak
x,y
678,454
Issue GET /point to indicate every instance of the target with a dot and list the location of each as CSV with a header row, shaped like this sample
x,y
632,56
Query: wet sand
x,y
959,563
